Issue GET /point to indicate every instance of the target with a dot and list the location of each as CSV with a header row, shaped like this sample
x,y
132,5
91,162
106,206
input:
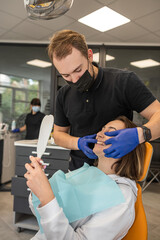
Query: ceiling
x,y
16,27
144,27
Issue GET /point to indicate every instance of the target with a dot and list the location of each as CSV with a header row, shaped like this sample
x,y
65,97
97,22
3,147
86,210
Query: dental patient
x,y
92,202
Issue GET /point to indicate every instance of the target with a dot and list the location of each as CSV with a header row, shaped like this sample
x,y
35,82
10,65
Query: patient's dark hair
x,y
132,164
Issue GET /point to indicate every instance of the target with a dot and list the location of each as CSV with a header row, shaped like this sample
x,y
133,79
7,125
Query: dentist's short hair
x,y
62,42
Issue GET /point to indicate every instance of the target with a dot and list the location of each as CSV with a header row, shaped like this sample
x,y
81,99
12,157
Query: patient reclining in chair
x,y
92,202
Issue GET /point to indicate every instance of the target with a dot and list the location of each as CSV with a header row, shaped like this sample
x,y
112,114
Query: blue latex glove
x,y
123,141
16,130
83,144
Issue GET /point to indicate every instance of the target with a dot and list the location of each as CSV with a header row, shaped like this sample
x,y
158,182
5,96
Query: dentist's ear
x,y
90,55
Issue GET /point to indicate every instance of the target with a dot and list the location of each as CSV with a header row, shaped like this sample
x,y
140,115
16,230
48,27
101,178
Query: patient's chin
x,y
98,149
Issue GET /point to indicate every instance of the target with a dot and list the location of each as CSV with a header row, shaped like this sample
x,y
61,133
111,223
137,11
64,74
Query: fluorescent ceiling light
x,y
104,19
39,63
145,63
109,58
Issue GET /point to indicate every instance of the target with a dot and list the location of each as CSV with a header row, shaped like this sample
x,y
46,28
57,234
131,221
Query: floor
x,y
151,200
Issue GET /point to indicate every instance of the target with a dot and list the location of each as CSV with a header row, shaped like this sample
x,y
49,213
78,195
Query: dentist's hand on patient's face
x,y
37,181
122,142
83,144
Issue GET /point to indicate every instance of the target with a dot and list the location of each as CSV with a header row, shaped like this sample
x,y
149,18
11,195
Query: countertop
x,y
33,143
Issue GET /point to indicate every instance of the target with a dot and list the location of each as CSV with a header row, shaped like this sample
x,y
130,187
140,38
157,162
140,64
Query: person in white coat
x,y
110,223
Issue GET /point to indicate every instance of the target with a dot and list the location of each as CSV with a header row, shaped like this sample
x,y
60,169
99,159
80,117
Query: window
x,y
16,94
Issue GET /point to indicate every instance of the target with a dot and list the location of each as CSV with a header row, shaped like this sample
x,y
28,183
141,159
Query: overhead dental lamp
x,y
47,9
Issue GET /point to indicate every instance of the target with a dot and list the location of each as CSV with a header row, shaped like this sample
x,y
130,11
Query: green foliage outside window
x,y
16,97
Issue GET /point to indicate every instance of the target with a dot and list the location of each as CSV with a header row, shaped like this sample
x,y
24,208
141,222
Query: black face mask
x,y
84,82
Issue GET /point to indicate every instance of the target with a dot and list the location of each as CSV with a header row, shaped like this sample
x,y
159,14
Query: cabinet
x,y
7,157
56,158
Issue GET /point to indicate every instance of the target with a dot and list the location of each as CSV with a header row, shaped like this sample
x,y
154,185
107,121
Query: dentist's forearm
x,y
154,125
65,140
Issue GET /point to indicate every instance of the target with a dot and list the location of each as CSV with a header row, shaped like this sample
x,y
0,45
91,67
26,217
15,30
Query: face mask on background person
x,y
36,108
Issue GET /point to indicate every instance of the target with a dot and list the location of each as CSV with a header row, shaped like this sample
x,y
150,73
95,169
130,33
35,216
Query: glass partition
x,y
20,81
144,61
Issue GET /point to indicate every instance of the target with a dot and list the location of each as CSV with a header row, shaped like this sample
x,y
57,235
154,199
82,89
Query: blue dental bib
x,y
82,192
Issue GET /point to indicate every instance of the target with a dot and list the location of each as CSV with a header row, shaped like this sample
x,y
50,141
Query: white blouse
x,y
111,224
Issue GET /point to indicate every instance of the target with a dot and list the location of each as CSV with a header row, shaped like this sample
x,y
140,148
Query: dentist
x,y
94,96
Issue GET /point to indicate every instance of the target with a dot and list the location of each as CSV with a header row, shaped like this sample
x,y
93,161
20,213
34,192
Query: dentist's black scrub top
x,y
33,123
114,93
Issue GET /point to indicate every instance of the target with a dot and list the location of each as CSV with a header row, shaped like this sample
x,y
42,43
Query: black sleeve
x,y
137,95
60,118
26,120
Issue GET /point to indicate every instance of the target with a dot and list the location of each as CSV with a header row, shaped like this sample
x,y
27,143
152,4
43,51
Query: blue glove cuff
x,y
79,143
16,130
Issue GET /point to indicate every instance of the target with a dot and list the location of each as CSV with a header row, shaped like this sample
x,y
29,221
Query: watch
x,y
146,133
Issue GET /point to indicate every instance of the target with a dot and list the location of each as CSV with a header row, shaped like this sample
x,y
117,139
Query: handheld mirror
x,y
44,133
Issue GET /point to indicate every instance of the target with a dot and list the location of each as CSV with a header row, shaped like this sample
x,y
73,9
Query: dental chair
x,y
138,231
154,170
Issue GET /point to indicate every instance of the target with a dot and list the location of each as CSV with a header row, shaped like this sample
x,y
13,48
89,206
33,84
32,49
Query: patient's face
x,y
101,137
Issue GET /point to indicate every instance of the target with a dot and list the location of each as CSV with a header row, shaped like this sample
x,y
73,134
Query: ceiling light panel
x,y
39,63
104,19
145,63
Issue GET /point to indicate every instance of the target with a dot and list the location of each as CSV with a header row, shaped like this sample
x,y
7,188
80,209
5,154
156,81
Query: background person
x,y
33,120
113,222
95,96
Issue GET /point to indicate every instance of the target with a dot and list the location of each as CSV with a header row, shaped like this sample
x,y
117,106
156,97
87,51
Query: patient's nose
x,y
100,135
